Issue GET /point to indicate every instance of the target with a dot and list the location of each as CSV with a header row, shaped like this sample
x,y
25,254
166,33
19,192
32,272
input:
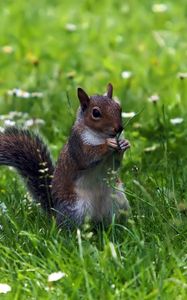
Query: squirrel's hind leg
x,y
68,215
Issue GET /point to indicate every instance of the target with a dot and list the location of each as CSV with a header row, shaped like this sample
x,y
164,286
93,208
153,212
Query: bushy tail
x,y
28,154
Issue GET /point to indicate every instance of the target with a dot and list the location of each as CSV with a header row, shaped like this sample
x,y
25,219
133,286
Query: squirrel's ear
x,y
83,98
109,90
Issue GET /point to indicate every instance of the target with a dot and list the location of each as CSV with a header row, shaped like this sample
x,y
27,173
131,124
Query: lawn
x,y
48,49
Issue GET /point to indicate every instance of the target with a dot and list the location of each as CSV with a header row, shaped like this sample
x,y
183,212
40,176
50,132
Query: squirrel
x,y
78,186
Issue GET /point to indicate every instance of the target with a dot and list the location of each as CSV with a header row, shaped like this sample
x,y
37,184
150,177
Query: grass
x,y
147,259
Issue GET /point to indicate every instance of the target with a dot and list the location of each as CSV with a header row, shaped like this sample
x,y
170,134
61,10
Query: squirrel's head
x,y
101,113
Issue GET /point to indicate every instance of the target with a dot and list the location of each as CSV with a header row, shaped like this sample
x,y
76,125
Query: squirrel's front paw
x,y
119,145
123,145
112,143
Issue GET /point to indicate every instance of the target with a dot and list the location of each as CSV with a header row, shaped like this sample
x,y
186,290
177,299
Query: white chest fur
x,y
91,137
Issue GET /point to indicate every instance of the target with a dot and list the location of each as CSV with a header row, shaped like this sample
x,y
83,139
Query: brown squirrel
x,y
78,186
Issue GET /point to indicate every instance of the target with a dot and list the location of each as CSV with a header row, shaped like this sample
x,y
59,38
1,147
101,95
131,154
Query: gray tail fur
x,y
28,154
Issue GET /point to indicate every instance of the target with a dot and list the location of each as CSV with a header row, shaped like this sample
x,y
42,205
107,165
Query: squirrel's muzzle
x,y
118,129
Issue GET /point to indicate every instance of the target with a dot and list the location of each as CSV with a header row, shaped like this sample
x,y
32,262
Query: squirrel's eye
x,y
96,113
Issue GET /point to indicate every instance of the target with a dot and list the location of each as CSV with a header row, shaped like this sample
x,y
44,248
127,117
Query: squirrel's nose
x,y
118,129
